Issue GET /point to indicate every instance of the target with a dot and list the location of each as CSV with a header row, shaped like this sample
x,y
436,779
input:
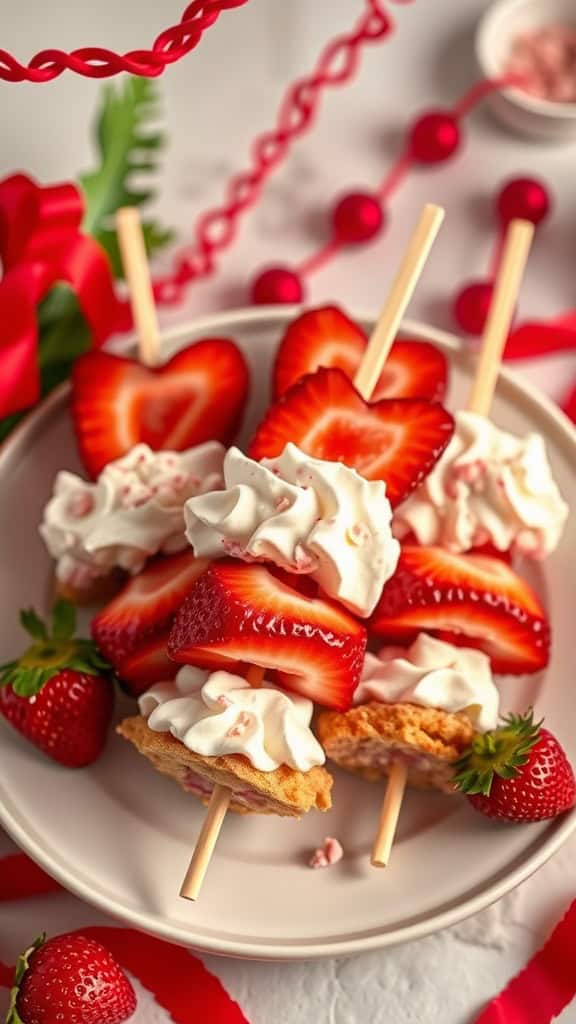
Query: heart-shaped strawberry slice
x,y
397,440
197,396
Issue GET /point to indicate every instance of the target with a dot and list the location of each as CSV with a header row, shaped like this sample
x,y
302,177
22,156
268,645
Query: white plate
x,y
119,835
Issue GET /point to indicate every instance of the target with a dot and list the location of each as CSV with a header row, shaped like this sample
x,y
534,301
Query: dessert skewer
x,y
365,380
138,279
507,285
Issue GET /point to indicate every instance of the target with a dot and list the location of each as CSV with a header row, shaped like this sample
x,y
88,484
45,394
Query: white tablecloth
x,y
215,101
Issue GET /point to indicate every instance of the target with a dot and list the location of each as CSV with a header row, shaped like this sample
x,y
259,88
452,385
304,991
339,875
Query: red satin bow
x,y
41,244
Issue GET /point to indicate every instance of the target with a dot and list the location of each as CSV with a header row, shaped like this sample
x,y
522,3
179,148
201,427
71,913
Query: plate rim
x,y
546,846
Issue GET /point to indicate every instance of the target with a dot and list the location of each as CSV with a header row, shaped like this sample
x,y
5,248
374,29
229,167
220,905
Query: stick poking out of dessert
x,y
140,292
507,286
365,381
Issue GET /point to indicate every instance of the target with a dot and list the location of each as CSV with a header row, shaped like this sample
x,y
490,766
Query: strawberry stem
x,y
502,752
51,652
22,965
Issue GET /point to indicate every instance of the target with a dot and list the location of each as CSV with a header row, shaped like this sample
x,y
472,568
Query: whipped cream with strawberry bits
x,y
433,674
218,713
132,511
307,516
488,487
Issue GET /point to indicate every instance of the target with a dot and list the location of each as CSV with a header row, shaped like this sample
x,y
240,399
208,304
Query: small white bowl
x,y
499,26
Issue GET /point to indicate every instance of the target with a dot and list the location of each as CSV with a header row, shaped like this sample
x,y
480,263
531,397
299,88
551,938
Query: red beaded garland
x,y
526,198
357,217
434,137
276,285
471,306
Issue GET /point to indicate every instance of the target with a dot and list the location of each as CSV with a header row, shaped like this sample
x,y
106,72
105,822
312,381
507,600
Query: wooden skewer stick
x,y
506,288
137,273
507,285
365,381
399,296
217,808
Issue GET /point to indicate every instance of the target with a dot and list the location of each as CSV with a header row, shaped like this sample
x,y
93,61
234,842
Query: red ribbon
x,y
41,244
21,878
546,985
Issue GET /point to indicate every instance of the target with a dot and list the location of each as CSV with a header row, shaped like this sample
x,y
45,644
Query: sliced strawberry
x,y
146,665
197,396
469,600
397,440
143,611
487,549
246,614
327,337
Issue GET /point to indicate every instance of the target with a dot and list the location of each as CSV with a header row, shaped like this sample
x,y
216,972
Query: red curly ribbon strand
x,y
179,981
97,62
217,228
546,985
21,878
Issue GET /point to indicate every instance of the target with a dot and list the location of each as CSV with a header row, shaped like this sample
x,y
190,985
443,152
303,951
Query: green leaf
x,y
63,620
33,624
128,151
21,967
503,751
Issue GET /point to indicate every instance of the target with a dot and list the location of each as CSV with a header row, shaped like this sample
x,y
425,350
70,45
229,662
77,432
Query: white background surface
x,y
215,101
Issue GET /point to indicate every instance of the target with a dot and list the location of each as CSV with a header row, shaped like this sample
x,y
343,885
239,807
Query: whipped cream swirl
x,y
433,674
132,511
488,486
218,713
305,515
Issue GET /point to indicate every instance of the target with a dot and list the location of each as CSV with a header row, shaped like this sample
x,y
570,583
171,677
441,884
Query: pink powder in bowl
x,y
545,59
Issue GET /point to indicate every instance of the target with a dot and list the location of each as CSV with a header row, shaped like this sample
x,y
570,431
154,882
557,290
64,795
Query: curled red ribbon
x,y
546,985
41,244
21,878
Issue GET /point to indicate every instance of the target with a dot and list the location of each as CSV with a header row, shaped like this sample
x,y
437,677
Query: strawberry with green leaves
x,y
59,694
71,979
517,773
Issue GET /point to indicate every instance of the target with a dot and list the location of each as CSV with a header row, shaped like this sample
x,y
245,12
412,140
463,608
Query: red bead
x,y
434,137
471,306
276,284
357,217
526,198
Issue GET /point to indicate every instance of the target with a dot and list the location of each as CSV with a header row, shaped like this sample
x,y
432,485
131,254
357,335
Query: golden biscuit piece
x,y
284,791
367,739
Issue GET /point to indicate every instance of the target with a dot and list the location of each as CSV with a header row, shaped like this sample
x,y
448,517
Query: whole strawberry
x,y
57,694
69,980
517,773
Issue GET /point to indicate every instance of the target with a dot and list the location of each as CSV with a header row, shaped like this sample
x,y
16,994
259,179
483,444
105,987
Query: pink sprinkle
x,y
328,854
451,489
281,504
470,472
240,726
81,504
481,536
302,560
179,479
223,699
141,458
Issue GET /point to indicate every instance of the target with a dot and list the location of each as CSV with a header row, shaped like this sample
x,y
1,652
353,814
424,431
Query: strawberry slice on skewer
x,y
198,395
132,630
397,440
468,600
327,337
246,614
